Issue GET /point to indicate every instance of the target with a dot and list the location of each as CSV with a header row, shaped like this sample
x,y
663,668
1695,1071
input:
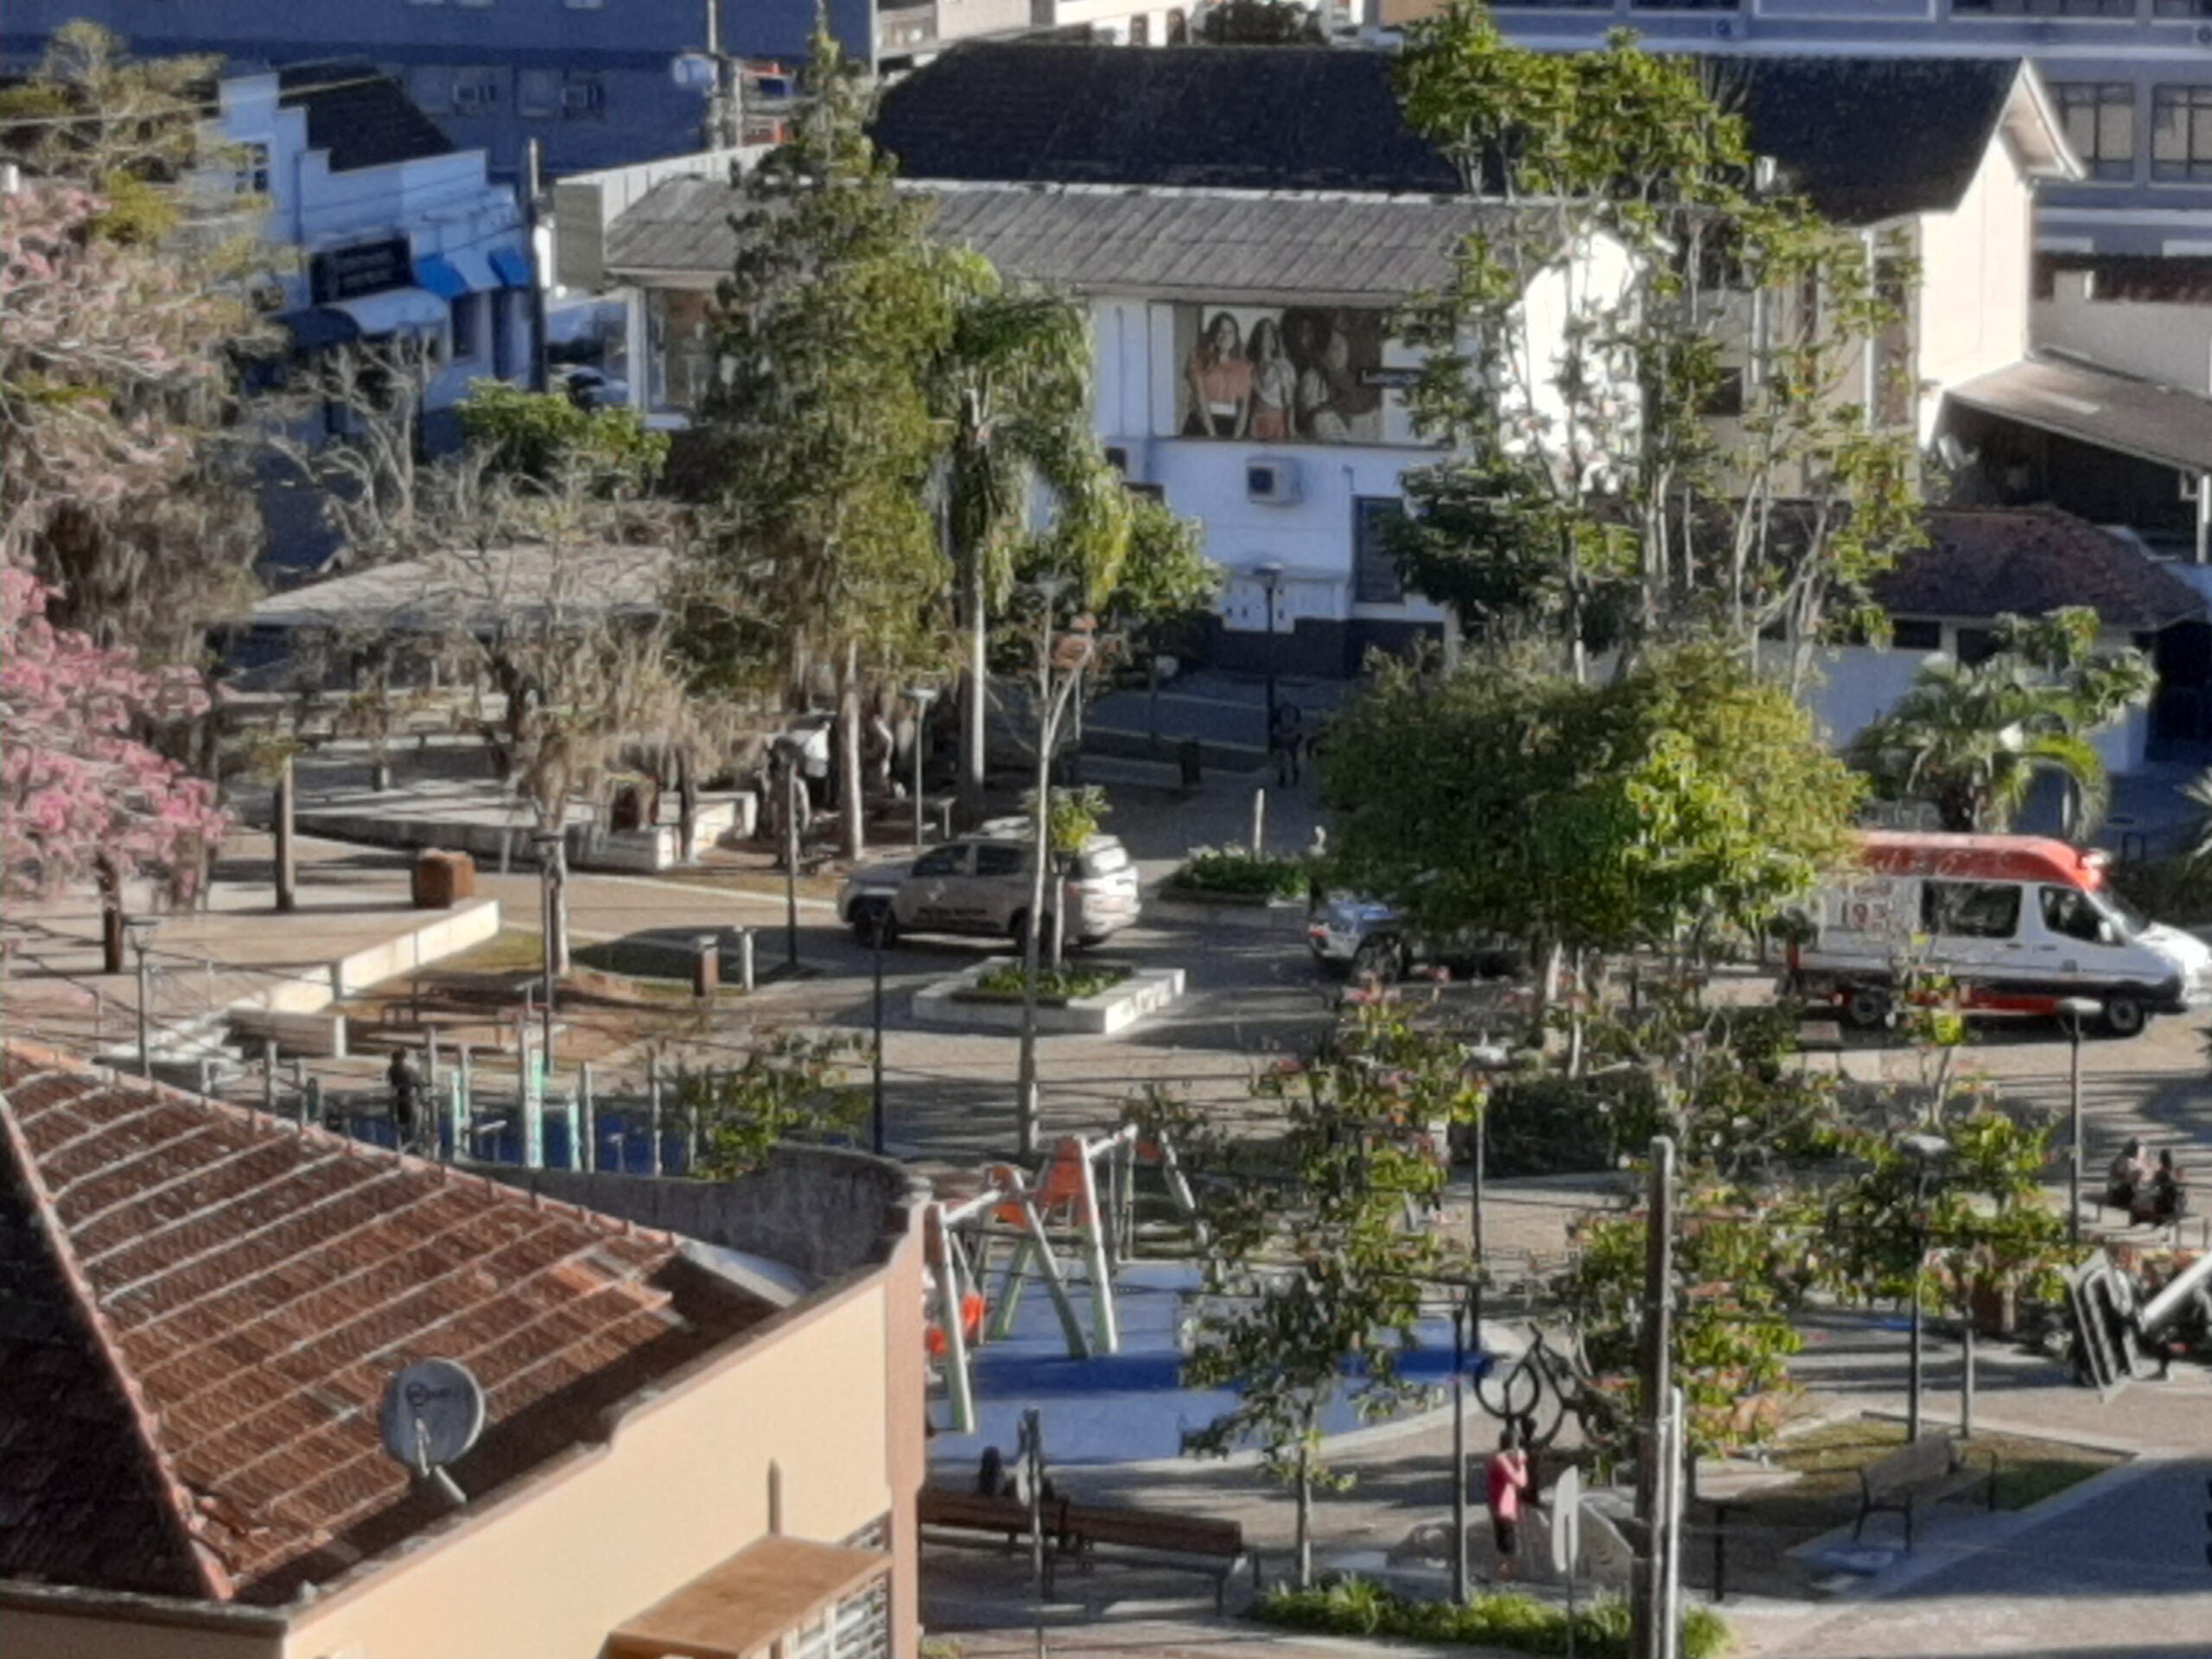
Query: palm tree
x,y
1972,740
1011,391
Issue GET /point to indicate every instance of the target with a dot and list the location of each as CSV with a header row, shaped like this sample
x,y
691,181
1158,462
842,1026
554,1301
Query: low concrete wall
x,y
821,1209
439,937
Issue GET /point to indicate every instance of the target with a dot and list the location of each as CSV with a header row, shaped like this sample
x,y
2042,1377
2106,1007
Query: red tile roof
x,y
1983,561
200,1306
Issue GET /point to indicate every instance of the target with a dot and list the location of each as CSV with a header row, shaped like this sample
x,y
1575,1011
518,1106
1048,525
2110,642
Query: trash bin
x,y
443,879
1191,758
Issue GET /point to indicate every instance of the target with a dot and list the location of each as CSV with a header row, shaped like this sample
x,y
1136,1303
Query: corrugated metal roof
x,y
2111,411
1218,244
237,1292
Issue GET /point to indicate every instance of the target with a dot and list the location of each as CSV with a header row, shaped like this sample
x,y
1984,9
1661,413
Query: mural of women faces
x,y
1304,374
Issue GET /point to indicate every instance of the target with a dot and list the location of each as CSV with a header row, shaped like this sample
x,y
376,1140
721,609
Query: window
x,y
475,90
1375,575
465,342
1179,29
999,859
584,95
1976,646
430,85
1140,30
2181,132
1915,633
1971,910
1895,392
1726,396
1102,861
2043,7
2100,121
2181,8
251,178
943,861
2068,912
538,92
582,5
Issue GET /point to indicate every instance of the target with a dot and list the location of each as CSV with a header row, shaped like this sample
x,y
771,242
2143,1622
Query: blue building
x,y
591,79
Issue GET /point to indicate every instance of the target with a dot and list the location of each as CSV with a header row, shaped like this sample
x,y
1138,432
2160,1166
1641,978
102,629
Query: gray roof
x,y
1216,242
476,590
2112,411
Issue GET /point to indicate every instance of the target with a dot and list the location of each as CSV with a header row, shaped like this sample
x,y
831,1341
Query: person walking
x,y
1287,737
1506,1477
406,1097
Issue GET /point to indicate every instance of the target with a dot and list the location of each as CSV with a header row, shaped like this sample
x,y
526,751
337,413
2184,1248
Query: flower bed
x,y
1234,874
1058,985
1504,1620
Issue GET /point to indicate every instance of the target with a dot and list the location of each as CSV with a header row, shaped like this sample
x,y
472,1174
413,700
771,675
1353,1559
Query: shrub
x,y
1231,869
1062,983
1502,1618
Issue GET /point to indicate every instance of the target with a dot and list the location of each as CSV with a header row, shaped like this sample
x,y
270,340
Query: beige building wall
x,y
683,1486
1977,272
2169,343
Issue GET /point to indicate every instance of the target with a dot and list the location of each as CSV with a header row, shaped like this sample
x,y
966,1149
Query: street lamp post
x,y
1270,576
924,696
550,873
2077,1012
882,915
1927,1151
140,930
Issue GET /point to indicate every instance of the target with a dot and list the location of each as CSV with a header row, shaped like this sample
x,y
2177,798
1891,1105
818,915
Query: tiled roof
x,y
1867,138
1214,243
362,118
214,1301
1983,563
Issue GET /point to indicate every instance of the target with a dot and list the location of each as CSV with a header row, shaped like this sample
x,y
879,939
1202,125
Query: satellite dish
x,y
432,1413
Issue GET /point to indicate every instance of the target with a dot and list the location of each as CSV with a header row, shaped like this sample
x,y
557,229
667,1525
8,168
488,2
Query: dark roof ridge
x,y
177,1505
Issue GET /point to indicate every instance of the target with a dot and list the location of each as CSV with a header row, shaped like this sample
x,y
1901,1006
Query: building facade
x,y
2131,78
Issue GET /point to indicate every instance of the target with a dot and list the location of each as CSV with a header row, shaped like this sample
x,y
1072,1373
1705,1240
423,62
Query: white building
x,y
387,229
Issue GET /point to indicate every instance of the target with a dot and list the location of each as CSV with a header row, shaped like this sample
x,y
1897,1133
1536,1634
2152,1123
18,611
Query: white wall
x,y
2169,343
1977,272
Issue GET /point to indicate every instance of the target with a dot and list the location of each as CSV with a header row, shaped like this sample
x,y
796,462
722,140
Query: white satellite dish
x,y
432,1413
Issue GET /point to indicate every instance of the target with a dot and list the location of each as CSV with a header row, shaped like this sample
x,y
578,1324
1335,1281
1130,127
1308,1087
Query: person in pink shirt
x,y
1506,1477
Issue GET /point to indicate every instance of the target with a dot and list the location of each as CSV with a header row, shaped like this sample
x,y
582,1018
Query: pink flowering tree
x,y
93,334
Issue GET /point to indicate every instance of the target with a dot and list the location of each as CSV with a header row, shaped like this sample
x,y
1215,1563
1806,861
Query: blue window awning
x,y
319,327
512,266
439,275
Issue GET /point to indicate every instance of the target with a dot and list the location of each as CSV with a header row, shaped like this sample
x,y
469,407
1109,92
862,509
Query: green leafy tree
x,y
820,562
791,1088
1670,466
1973,738
1320,1253
1687,795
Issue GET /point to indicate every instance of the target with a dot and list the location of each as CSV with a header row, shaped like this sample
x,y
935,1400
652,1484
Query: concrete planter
x,y
1180,906
957,1003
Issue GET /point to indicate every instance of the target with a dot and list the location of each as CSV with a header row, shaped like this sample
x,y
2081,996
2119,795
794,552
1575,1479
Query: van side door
x,y
1975,926
927,895
2077,951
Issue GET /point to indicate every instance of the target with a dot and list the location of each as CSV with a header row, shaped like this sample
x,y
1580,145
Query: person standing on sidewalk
x,y
1506,1477
1287,739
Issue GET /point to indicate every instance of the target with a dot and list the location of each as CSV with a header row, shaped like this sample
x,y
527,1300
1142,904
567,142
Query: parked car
x,y
1349,933
981,884
2018,922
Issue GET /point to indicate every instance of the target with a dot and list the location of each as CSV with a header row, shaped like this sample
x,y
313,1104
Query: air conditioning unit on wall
x,y
1271,481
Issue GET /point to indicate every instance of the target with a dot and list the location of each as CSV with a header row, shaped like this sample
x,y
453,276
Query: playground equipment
x,y
1075,1218
2121,1334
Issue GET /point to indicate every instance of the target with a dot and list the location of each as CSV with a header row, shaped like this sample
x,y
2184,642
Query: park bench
x,y
1933,1467
1003,1517
1185,1542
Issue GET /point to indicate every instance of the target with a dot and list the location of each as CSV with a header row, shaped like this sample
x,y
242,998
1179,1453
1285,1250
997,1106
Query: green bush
x,y
1067,983
1502,1618
2175,890
1231,869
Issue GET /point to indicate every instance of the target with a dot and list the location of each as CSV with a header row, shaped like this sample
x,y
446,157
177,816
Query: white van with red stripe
x,y
2018,922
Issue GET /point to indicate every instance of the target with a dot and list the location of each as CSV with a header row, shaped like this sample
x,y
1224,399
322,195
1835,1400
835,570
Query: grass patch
x,y
1233,870
2028,1470
1502,1619
508,952
1053,984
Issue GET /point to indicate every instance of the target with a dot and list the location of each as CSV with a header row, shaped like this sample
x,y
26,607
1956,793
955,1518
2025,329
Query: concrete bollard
x,y
745,973
587,1124
706,969
1259,821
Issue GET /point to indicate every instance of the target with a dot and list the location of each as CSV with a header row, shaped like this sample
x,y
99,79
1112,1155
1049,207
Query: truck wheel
x,y
1382,960
1866,1008
2125,1016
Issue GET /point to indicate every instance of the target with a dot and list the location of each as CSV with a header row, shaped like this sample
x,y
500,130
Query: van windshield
x,y
2127,920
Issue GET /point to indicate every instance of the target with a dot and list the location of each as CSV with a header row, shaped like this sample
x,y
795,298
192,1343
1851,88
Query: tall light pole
x,y
923,696
140,931
1928,1152
2077,1012
1270,576
550,873
881,916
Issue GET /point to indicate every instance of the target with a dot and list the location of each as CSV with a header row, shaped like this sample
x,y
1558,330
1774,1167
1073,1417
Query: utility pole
x,y
1648,1635
721,123
287,894
1460,1311
533,195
